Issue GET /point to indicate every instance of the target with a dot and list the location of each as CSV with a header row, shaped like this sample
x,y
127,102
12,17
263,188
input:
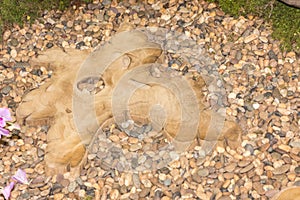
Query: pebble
x,y
6,89
297,170
246,169
250,38
264,94
256,106
281,170
72,186
203,172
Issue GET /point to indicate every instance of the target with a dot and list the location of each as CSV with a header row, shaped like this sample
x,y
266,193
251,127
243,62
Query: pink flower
x,y
7,190
2,122
20,176
3,132
4,116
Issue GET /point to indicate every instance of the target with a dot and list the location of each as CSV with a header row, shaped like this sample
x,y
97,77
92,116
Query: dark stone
x,y
134,163
12,104
14,42
164,170
272,55
297,183
297,170
49,45
88,33
267,94
56,188
158,194
40,152
106,2
90,192
269,87
176,195
276,93
180,22
249,147
37,72
6,89
80,44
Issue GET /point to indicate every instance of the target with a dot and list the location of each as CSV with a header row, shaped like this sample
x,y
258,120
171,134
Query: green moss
x,y
88,198
20,11
286,22
285,19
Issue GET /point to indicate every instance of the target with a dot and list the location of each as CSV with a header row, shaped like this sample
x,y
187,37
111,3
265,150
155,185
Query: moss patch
x,y
285,19
20,11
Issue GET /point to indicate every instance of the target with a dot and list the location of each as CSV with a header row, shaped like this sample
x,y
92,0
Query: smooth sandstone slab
x,y
75,115
291,193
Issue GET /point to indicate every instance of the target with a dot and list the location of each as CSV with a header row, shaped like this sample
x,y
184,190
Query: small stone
x,y
72,186
297,170
230,167
13,53
58,196
45,192
174,155
114,194
165,17
49,45
14,42
147,183
6,35
145,192
167,182
114,138
220,149
6,89
283,111
142,159
244,163
249,147
92,156
203,172
281,170
246,169
272,55
81,193
284,147
271,193
263,39
250,38
135,147
255,106
232,95
40,152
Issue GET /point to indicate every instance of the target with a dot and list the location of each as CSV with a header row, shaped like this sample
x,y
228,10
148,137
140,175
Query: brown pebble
x,y
281,170
247,168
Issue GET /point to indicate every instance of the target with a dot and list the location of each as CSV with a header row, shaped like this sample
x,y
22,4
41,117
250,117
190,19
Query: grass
x,y
20,11
285,19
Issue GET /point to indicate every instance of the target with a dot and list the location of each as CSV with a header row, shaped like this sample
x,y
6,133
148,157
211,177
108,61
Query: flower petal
x,y
4,132
20,176
5,113
2,122
7,190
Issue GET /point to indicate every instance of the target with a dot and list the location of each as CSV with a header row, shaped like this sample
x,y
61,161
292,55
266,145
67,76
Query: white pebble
x,y
232,95
255,106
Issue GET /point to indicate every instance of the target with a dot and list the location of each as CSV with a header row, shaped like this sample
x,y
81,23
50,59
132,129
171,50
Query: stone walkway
x,y
262,85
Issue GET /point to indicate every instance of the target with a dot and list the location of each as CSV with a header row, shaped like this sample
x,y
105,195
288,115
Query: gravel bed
x,y
262,93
